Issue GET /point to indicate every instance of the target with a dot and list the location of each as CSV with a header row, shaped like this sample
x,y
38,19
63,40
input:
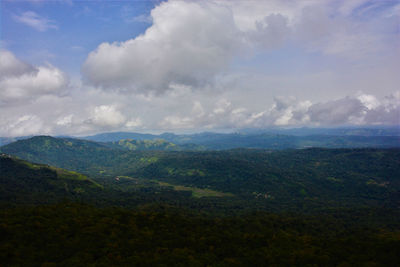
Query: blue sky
x,y
79,27
80,67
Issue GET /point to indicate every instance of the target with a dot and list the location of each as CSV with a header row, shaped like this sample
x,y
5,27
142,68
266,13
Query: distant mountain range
x,y
221,141
254,138
217,141
304,131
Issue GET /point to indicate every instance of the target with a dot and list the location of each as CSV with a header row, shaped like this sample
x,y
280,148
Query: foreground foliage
x,y
70,234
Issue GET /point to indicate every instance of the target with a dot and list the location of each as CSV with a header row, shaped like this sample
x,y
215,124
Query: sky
x,y
83,67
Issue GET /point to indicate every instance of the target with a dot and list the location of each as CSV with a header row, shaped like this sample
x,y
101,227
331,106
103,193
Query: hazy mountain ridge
x,y
151,144
304,137
303,131
283,139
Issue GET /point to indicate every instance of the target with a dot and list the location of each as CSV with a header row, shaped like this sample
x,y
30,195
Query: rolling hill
x,y
67,153
25,182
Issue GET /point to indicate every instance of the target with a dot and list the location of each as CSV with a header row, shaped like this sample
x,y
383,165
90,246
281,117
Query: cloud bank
x,y
290,112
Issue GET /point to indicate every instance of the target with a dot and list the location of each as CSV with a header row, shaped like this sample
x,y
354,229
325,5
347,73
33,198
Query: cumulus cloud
x,y
35,21
188,43
21,81
287,111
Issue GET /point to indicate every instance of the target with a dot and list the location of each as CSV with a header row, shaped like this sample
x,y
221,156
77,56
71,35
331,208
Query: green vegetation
x,y
22,182
242,207
304,179
290,179
196,192
70,234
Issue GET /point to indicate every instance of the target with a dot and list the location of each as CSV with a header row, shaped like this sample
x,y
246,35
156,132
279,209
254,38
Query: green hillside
x,y
345,177
25,182
67,153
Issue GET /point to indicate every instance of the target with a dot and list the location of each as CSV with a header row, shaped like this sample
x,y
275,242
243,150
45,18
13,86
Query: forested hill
x,y
24,182
68,153
280,179
342,176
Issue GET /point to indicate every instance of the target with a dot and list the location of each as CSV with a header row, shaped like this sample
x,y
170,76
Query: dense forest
x,y
71,202
69,234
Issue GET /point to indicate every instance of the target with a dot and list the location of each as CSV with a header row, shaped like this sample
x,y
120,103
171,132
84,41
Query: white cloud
x,y
362,110
22,126
369,101
21,81
289,111
45,80
35,21
134,123
188,43
65,120
107,116
90,111
11,66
